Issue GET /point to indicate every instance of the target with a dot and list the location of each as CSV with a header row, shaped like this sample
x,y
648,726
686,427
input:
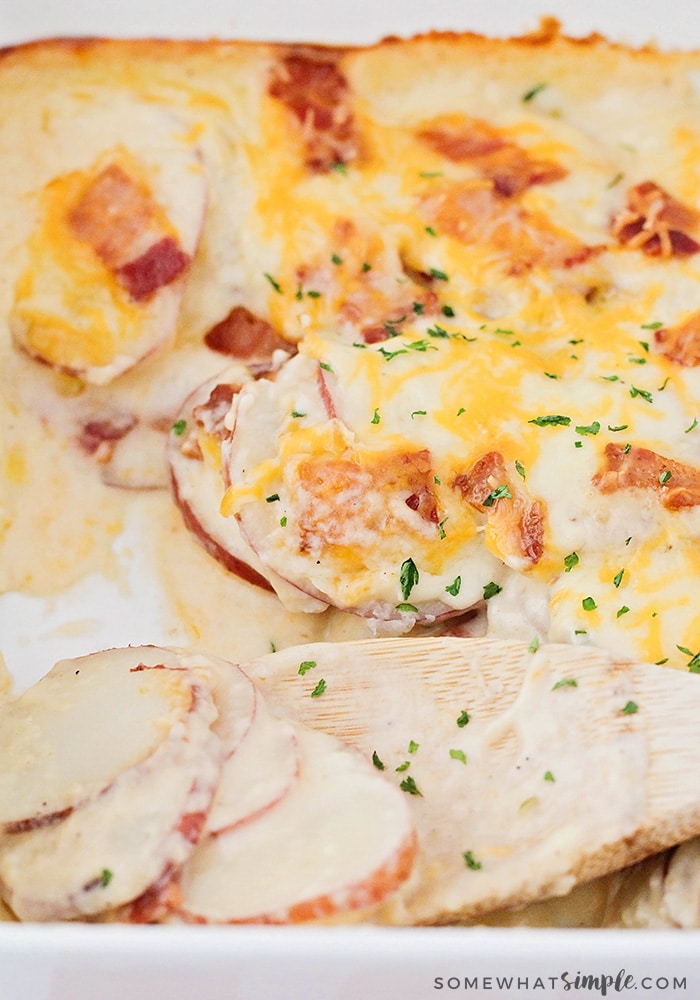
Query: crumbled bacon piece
x,y
477,214
676,484
212,414
656,223
681,343
515,520
345,500
99,437
310,83
245,336
511,168
118,219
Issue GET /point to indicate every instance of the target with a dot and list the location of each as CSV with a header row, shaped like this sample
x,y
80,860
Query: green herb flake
x,y
593,428
419,413
624,610
618,427
366,267
430,231
313,294
273,498
644,393
463,719
617,579
491,589
403,767
305,666
409,785
471,862
551,420
376,419
297,414
665,476
428,174
692,426
275,284
447,311
533,92
409,608
283,521
548,776
106,876
631,708
325,366
413,746
520,469
588,604
565,682
418,308
179,427
458,755
336,259
408,577
500,493
534,645
652,326
570,561
319,689
437,274
378,763
454,587
339,168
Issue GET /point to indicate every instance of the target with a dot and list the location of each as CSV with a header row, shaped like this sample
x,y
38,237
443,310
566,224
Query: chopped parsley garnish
x,y
471,862
463,719
413,746
336,259
548,776
644,393
651,326
179,427
533,92
430,231
437,331
430,173
454,587
694,663
339,168
665,476
313,294
319,689
551,420
617,579
403,767
520,469
500,493
588,604
379,764
438,275
458,755
297,414
325,366
273,497
622,611
410,608
619,427
692,426
388,355
565,682
275,284
447,311
408,577
283,521
570,561
534,645
491,589
630,708
106,877
419,413
593,428
551,375
418,308
366,267
305,666
409,785
375,417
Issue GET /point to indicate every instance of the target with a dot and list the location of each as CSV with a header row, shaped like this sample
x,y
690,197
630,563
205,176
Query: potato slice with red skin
x,y
341,840
260,772
337,517
112,848
111,702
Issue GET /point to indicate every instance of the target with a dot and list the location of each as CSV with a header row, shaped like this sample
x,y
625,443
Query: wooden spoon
x,y
529,770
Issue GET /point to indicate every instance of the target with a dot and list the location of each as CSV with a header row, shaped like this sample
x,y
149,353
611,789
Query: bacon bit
x,y
245,336
656,223
117,218
157,267
310,84
345,499
642,468
516,523
511,168
479,215
99,437
681,343
211,415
